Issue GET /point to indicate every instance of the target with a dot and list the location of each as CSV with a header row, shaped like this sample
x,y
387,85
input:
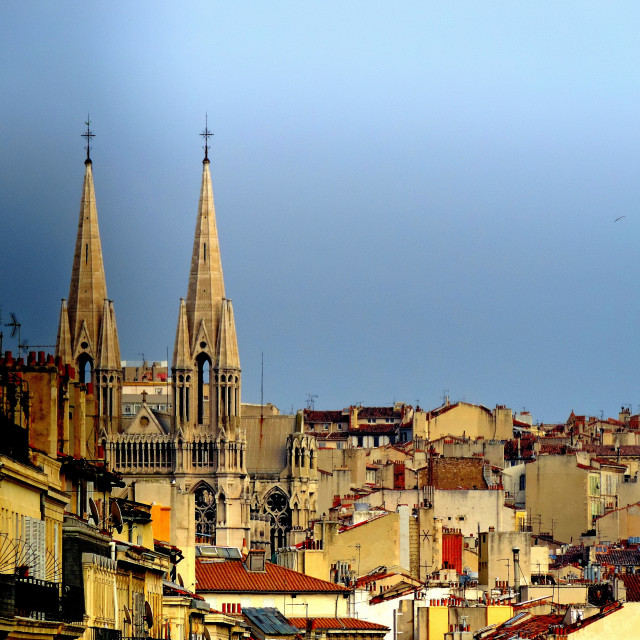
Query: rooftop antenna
x,y
445,396
88,135
15,328
206,134
311,401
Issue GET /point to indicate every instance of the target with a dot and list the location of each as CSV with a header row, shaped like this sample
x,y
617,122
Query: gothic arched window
x,y
205,514
204,367
277,508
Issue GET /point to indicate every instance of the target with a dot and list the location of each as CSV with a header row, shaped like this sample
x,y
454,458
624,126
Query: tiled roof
x,y
629,450
364,429
632,585
231,576
325,416
530,627
378,412
338,623
620,557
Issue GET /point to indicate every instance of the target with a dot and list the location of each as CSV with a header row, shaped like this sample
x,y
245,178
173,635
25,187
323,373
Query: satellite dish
x,y
148,614
180,580
127,614
94,511
116,516
207,635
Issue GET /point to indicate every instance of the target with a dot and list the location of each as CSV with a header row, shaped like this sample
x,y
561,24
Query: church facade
x,y
212,475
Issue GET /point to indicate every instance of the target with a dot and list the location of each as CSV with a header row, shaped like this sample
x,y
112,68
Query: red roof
x,y
530,627
231,576
325,416
632,585
337,623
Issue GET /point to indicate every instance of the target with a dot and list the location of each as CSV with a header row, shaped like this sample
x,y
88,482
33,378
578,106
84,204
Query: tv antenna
x,y
15,328
311,401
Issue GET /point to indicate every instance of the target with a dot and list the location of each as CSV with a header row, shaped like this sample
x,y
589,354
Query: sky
x,y
413,199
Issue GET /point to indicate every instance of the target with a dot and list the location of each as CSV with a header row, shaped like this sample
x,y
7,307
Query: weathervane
x,y
206,134
88,135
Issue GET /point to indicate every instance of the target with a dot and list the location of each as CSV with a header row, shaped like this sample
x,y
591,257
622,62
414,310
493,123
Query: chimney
x,y
516,572
255,562
353,417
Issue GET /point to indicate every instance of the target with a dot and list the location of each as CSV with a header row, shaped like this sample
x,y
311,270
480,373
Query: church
x,y
215,472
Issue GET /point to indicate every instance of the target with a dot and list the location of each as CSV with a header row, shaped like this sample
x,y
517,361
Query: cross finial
x,y
88,135
206,134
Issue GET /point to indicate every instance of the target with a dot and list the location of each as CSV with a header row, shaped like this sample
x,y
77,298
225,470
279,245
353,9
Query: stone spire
x,y
88,289
63,339
108,345
206,284
227,356
181,348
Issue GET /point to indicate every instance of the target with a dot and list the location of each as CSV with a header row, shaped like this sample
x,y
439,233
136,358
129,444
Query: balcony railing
x,y
101,633
37,599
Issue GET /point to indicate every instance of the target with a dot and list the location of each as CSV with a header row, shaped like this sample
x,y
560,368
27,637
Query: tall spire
x,y
206,283
93,335
88,288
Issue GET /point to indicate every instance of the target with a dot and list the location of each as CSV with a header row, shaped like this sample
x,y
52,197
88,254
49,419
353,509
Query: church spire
x,y
93,336
88,288
206,283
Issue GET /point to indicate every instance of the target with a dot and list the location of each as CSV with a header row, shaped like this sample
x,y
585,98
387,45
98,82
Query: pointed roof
x,y
88,288
108,346
145,422
206,283
227,355
181,350
63,339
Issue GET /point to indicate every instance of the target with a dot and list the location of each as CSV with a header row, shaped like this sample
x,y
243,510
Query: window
x,y
523,482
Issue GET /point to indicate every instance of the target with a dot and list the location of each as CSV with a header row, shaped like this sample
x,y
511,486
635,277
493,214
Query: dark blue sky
x,y
411,197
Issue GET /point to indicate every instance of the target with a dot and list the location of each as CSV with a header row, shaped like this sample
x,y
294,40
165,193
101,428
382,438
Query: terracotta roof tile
x,y
620,557
632,585
231,576
338,623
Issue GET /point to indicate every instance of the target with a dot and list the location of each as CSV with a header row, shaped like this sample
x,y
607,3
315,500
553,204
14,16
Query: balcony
x,y
102,633
37,599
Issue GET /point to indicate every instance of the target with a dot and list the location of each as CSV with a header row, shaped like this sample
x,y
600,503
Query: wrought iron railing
x,y
37,599
101,633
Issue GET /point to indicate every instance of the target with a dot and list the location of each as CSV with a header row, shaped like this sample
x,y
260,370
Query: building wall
x,y
495,557
619,624
298,605
471,421
341,547
557,497
472,511
620,524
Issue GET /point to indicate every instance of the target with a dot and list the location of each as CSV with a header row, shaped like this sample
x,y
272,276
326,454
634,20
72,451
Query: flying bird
x,y
619,218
